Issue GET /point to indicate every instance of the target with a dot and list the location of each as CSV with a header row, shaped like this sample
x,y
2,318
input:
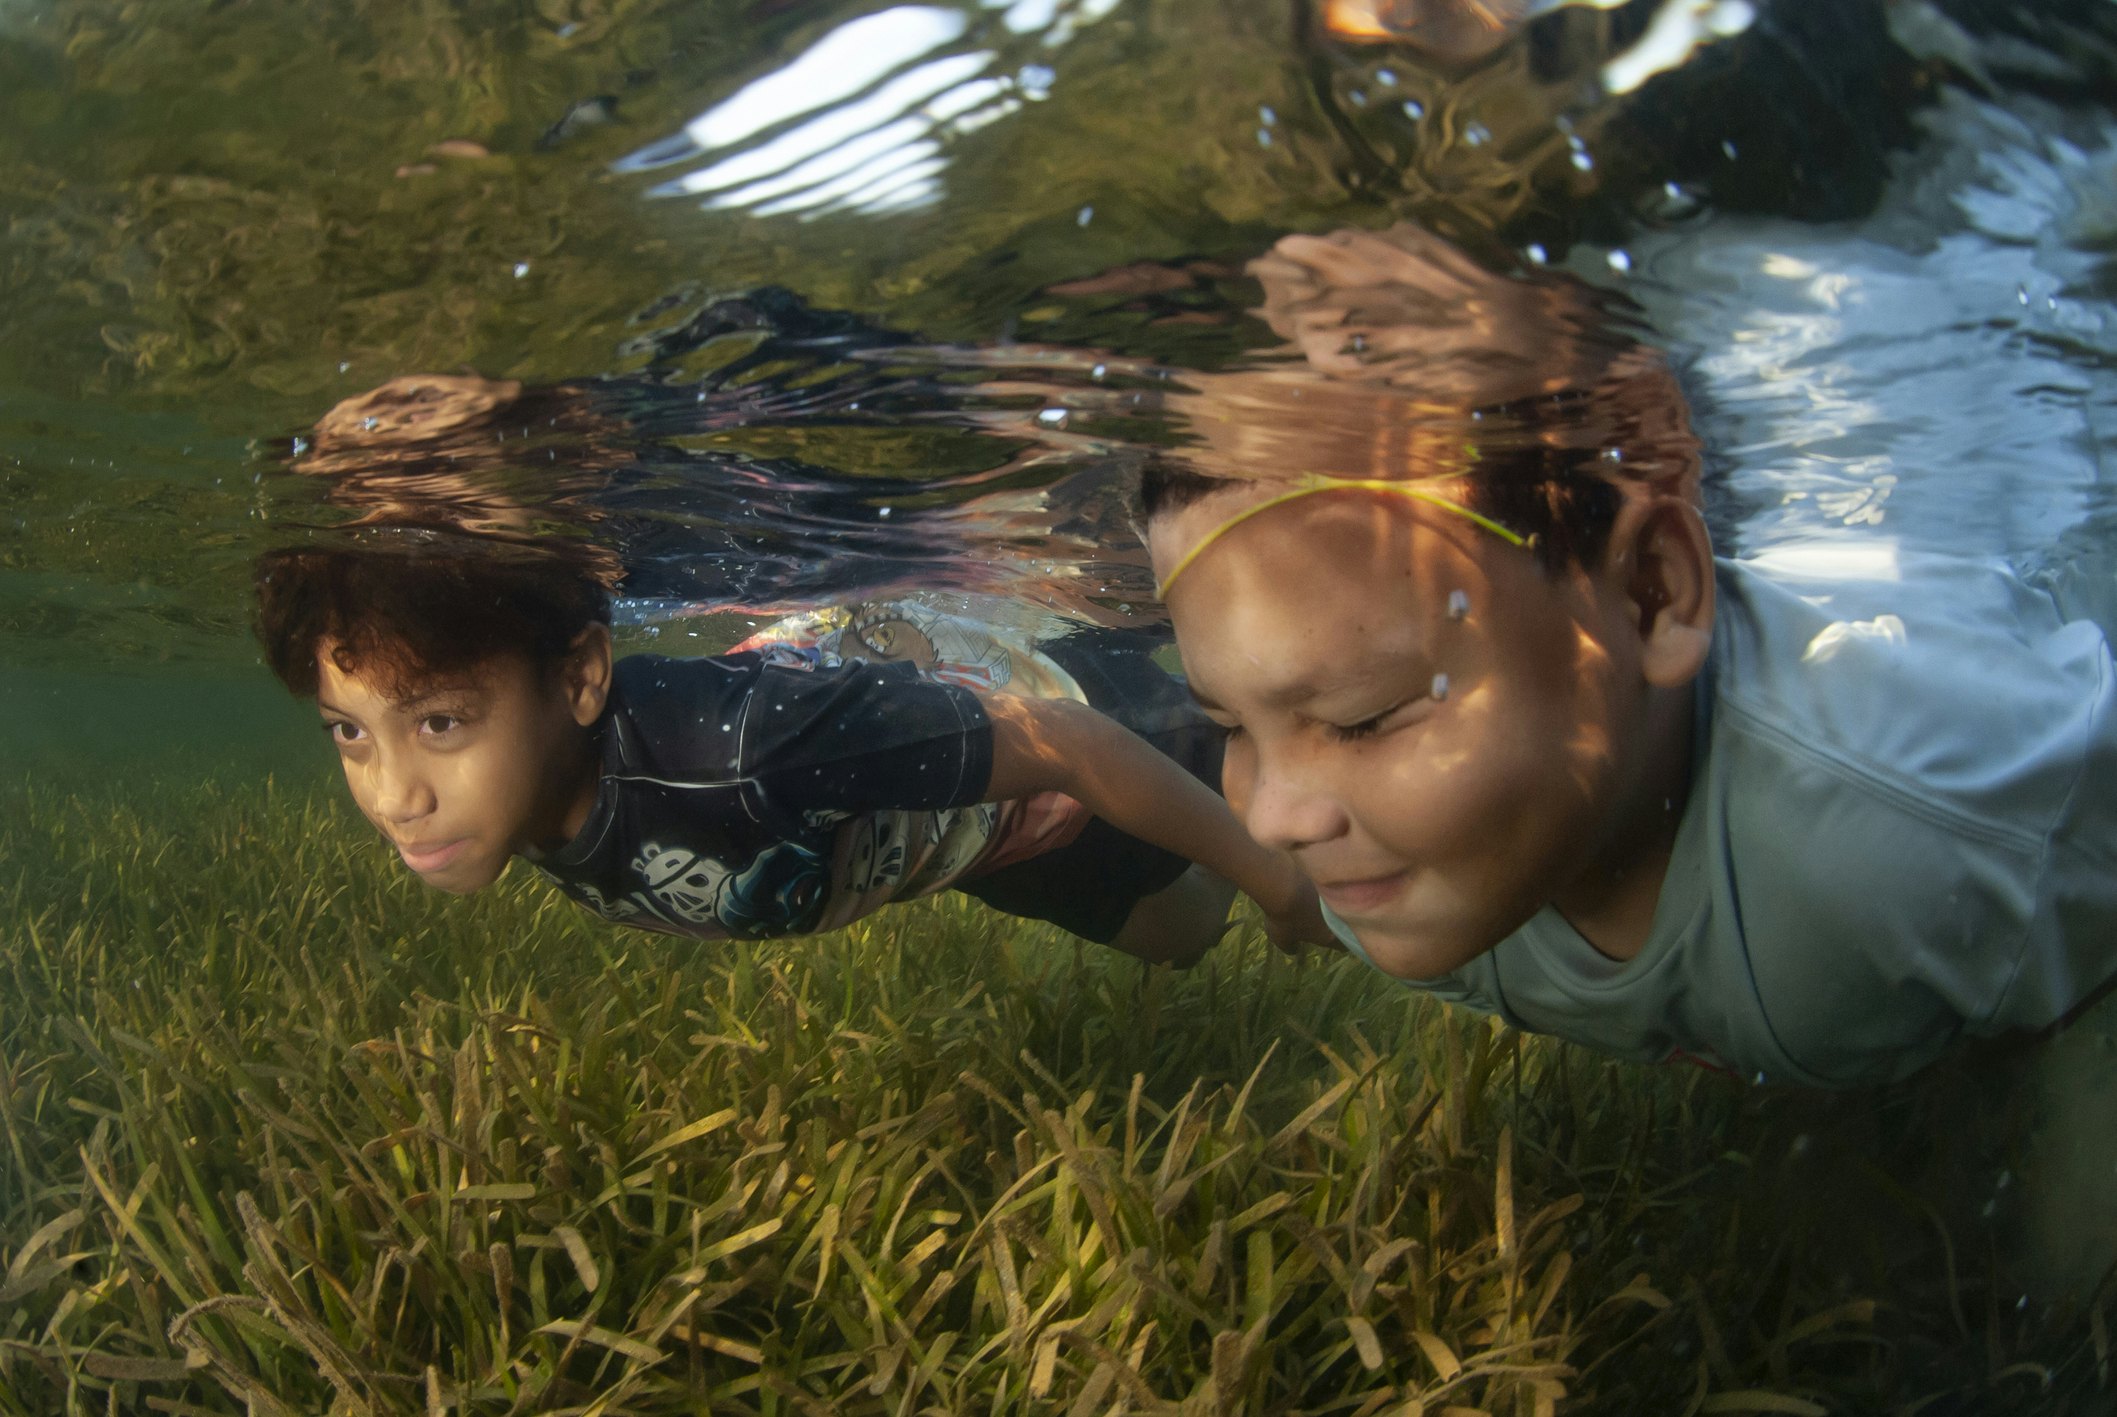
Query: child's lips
x,y
424,858
1360,897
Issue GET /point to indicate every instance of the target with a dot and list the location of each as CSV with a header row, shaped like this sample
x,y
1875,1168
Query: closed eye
x,y
1395,716
1365,728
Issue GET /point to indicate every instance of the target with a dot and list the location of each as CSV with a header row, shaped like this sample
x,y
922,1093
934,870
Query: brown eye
x,y
341,733
439,723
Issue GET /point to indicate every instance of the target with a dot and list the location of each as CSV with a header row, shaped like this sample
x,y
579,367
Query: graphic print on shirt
x,y
944,648
780,892
873,851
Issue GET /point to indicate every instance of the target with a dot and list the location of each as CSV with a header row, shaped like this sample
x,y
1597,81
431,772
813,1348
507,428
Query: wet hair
x,y
411,616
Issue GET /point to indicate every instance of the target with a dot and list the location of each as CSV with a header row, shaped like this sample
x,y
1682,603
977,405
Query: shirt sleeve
x,y
862,737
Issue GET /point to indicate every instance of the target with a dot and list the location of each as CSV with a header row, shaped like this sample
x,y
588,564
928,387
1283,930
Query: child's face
x,y
461,775
1443,735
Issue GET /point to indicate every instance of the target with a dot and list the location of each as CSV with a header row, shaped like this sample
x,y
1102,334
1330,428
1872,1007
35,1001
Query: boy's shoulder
x,y
1944,689
1913,781
667,712
750,712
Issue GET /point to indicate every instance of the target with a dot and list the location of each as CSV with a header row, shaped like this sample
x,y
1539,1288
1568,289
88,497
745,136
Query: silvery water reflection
x,y
877,99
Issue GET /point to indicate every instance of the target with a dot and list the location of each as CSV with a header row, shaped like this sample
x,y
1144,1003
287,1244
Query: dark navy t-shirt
x,y
746,798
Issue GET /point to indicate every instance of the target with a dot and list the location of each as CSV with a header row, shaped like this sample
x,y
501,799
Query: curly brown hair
x,y
429,610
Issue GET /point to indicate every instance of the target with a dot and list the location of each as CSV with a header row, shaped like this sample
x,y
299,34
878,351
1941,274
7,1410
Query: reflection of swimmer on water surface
x,y
1540,122
803,471
1546,120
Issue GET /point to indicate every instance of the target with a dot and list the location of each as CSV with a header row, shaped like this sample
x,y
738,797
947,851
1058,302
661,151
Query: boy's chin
x,y
1419,954
461,878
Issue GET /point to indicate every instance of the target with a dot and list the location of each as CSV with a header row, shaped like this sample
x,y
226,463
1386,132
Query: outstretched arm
x,y
1058,745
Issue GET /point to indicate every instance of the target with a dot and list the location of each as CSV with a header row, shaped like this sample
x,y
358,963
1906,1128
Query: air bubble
x,y
521,269
882,512
1098,371
1727,148
1086,215
1264,137
1458,604
1386,78
1265,115
1621,260
1535,252
1052,418
1414,110
1477,135
1583,161
1440,688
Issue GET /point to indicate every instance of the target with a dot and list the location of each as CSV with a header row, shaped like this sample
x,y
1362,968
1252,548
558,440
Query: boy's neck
x,y
1611,901
576,786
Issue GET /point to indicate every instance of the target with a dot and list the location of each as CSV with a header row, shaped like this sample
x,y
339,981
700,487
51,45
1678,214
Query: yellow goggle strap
x,y
1310,484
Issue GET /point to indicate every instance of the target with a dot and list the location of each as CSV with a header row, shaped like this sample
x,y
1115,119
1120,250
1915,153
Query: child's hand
x,y
1299,921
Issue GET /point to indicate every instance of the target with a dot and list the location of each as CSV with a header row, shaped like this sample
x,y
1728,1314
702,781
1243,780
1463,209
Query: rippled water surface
x,y
807,299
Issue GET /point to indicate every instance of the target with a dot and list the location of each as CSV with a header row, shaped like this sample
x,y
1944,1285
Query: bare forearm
x,y
1042,745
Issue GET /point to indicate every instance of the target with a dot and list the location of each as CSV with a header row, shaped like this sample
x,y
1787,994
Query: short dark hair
x,y
408,615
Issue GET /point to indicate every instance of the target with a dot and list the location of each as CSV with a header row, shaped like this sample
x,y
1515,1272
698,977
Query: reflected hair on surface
x,y
1526,398
408,616
1540,493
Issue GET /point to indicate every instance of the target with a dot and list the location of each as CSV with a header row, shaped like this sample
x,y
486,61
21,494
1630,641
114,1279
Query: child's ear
x,y
1663,556
587,674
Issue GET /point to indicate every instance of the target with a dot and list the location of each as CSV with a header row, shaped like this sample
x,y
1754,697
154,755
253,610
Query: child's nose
x,y
400,794
1287,806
